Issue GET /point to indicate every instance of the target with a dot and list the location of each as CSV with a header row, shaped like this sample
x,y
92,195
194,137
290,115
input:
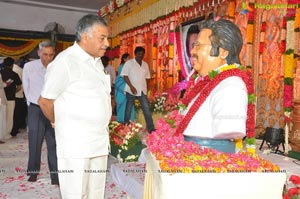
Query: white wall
x,y
23,17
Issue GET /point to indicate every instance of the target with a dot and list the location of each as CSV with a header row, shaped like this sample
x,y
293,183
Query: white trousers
x,y
9,118
2,121
82,178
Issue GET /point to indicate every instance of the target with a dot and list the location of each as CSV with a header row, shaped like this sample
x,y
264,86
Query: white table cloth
x,y
130,177
161,185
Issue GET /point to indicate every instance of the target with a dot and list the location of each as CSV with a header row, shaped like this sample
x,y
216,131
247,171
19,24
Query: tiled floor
x,y
13,179
14,184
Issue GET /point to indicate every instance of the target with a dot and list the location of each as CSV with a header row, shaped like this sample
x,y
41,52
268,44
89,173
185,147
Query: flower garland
x,y
207,84
289,65
250,34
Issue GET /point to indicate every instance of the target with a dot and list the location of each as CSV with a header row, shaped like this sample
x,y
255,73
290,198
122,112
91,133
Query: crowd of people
x,y
68,97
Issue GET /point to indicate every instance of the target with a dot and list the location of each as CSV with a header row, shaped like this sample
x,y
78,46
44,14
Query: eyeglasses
x,y
197,44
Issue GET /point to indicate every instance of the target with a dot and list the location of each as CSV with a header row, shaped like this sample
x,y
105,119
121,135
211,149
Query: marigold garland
x,y
289,63
297,20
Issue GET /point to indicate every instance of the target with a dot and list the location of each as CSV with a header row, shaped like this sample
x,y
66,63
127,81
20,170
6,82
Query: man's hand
x,y
133,90
47,106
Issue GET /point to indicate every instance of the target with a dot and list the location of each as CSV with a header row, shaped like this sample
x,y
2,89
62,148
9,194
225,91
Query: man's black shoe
x,y
32,178
54,182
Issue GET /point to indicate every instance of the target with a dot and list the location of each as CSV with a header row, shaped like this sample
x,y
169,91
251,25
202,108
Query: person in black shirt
x,y
12,85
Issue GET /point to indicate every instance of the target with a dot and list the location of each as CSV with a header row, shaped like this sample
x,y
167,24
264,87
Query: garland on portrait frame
x,y
292,26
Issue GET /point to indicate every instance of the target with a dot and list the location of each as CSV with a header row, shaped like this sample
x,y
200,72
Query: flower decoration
x,y
178,88
125,140
175,154
292,192
157,102
162,102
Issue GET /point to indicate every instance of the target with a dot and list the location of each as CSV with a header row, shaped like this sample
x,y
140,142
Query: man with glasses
x,y
213,118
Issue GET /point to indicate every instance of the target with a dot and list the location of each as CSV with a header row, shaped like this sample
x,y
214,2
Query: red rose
x,y
294,179
285,197
293,191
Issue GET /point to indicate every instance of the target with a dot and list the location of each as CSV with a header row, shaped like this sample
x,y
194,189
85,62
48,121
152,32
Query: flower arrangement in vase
x,y
125,141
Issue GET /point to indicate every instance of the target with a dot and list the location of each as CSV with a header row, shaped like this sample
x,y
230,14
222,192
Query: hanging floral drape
x,y
270,46
16,43
164,17
13,47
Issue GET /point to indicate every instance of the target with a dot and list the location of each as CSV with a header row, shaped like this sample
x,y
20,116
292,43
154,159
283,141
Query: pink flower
x,y
174,153
287,99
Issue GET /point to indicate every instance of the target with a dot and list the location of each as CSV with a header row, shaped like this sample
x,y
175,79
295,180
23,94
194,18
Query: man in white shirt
x,y
136,74
76,99
39,126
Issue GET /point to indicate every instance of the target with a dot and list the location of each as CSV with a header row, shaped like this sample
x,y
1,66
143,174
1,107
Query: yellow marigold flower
x,y
251,150
288,65
231,66
297,19
250,33
231,9
239,144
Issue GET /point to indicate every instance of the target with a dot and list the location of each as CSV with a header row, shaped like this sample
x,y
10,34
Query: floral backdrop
x,y
270,50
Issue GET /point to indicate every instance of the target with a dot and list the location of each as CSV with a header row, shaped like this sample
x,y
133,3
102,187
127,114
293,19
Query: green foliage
x,y
289,51
250,141
288,81
251,98
288,109
212,74
171,122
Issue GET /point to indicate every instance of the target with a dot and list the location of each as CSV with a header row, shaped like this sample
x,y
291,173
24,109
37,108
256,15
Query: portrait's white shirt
x,y
137,75
81,90
224,110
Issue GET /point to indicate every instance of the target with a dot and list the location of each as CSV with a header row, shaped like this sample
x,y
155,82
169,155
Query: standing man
x,y
76,99
39,126
136,74
13,84
3,103
20,110
109,69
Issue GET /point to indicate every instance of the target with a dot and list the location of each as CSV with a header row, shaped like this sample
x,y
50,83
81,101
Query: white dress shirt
x,y
82,106
33,80
137,75
223,111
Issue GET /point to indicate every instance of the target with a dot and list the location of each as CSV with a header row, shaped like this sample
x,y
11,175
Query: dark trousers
x,y
145,108
20,113
40,128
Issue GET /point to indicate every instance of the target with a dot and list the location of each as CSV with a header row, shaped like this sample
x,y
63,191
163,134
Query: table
x,y
162,185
